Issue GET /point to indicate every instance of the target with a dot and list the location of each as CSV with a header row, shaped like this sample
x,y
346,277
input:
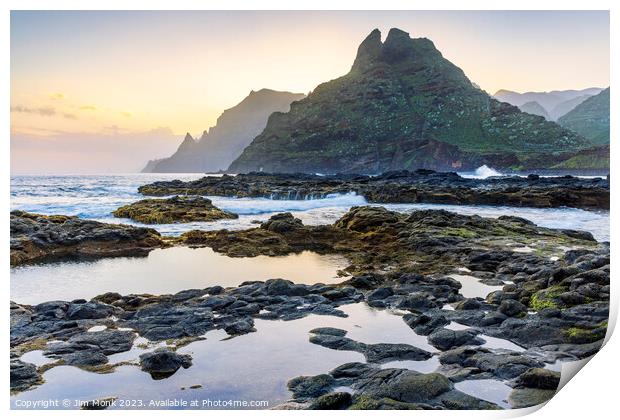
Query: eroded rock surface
x,y
163,363
421,186
553,303
177,209
36,237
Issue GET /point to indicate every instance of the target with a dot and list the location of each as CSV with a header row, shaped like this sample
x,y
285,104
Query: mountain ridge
x,y
591,118
402,106
234,130
555,102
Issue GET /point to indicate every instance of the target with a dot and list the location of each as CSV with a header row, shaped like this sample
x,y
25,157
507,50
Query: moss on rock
x,y
178,209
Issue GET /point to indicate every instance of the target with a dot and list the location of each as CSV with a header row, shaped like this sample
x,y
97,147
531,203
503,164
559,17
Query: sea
x,y
252,367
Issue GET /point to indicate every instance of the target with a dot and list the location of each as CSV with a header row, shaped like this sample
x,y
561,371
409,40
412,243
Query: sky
x,y
104,91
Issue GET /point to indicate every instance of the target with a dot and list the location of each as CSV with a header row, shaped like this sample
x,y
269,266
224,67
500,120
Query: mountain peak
x,y
402,106
368,51
398,47
396,36
187,144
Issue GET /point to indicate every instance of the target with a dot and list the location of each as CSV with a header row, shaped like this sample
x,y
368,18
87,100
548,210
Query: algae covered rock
x,y
178,209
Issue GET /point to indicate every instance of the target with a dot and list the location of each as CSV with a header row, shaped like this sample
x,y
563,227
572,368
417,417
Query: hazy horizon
x,y
95,92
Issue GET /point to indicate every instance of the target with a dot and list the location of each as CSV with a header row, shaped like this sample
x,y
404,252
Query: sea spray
x,y
481,172
245,206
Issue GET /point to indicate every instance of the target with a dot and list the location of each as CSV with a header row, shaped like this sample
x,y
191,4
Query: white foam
x,y
481,173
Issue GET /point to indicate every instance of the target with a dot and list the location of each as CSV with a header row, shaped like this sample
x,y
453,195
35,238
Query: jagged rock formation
x,y
234,130
590,118
35,237
421,186
535,108
403,106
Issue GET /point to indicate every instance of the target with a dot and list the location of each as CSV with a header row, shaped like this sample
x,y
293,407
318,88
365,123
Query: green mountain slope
x,y
590,118
403,106
534,108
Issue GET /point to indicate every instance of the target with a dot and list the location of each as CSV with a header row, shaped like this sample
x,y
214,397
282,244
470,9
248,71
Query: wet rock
x,y
445,339
91,348
332,401
304,387
23,375
366,402
468,304
84,358
415,302
89,310
385,352
374,353
363,219
163,321
281,223
528,397
329,331
408,186
163,363
403,386
177,209
425,324
493,318
242,326
557,327
37,237
539,378
510,307
366,281
351,370
283,287
499,363
416,388
380,293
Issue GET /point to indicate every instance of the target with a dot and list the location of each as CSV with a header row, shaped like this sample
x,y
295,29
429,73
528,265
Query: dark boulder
x,y
163,363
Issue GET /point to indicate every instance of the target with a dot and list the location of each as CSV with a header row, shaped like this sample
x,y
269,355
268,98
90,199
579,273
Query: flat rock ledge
x,y
421,186
374,388
177,209
554,308
35,237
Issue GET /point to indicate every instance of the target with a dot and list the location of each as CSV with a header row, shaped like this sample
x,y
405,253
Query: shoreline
x,y
399,263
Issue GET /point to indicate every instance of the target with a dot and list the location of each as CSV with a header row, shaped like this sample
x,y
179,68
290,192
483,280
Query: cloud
x,y
43,111
57,96
88,108
126,114
69,116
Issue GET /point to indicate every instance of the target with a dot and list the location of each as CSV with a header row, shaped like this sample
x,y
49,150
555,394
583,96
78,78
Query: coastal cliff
x,y
404,106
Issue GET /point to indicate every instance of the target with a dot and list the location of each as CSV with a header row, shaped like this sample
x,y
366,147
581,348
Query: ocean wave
x,y
249,206
481,173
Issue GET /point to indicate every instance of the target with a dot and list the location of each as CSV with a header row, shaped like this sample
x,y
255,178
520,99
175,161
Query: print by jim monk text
x,y
111,402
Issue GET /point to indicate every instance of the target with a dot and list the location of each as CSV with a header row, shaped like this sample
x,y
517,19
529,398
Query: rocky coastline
x,y
177,209
36,237
553,302
421,186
